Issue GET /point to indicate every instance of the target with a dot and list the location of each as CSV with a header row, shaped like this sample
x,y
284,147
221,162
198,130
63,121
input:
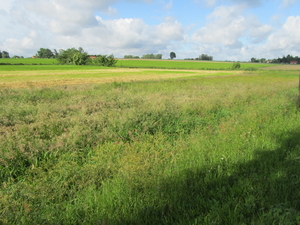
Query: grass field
x,y
149,146
125,63
184,64
28,61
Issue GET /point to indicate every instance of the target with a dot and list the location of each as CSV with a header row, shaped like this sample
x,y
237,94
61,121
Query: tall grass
x,y
219,150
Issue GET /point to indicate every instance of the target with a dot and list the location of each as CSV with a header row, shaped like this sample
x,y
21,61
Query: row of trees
x,y
152,56
4,54
202,57
284,59
76,57
131,57
149,56
287,59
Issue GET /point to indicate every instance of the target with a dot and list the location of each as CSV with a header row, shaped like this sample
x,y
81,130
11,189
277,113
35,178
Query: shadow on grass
x,y
264,190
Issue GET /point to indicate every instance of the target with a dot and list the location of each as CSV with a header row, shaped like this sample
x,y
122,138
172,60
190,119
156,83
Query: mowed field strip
x,y
38,78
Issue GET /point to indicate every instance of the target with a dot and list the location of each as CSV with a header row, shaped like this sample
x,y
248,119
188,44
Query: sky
x,y
234,30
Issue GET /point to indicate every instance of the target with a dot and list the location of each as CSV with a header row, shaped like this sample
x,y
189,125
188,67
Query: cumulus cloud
x,y
286,39
226,26
229,31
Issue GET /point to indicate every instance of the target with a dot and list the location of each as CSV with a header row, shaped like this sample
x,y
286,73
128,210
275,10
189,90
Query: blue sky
x,y
225,29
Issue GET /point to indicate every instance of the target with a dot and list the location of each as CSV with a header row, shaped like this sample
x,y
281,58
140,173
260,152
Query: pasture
x,y
91,145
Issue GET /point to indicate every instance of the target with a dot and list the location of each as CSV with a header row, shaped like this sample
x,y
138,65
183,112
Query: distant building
x,y
293,62
33,57
93,57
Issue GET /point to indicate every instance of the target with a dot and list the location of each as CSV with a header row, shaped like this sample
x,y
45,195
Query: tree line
x,y
202,57
284,59
146,56
75,56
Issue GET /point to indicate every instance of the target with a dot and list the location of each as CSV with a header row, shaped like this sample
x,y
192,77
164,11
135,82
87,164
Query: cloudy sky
x,y
225,29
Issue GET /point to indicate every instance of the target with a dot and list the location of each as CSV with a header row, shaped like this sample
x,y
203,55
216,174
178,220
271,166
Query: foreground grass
x,y
218,150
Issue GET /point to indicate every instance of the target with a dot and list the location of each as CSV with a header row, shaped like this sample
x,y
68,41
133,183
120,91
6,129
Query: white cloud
x,y
125,36
287,39
230,32
227,25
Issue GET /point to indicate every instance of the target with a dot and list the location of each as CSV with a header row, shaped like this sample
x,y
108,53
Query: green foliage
x,y
73,56
152,56
172,55
131,57
236,65
223,150
5,54
205,57
104,60
45,53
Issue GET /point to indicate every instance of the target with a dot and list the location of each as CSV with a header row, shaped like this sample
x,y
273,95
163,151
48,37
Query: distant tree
x,y
131,57
158,56
263,60
44,53
236,65
254,59
172,55
80,58
55,53
0,54
205,57
5,54
152,56
104,60
73,56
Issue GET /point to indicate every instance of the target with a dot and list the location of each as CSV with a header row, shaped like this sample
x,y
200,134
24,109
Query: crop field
x,y
184,64
96,145
28,61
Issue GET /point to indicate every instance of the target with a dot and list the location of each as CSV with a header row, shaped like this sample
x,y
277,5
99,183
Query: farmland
x,y
96,145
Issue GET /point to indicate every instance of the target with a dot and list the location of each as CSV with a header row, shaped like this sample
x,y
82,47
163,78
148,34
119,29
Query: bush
x,y
73,56
104,60
236,65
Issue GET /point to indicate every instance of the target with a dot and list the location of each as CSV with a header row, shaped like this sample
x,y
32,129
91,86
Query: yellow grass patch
x,y
73,77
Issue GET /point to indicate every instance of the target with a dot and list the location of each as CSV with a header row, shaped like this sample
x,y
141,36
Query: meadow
x,y
149,146
187,64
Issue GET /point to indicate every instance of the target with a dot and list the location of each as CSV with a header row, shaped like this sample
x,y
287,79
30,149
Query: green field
x,y
28,61
90,145
161,64
184,64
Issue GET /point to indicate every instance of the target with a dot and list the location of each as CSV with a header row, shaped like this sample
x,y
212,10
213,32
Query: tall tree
x,y
5,54
172,55
73,56
0,54
45,53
